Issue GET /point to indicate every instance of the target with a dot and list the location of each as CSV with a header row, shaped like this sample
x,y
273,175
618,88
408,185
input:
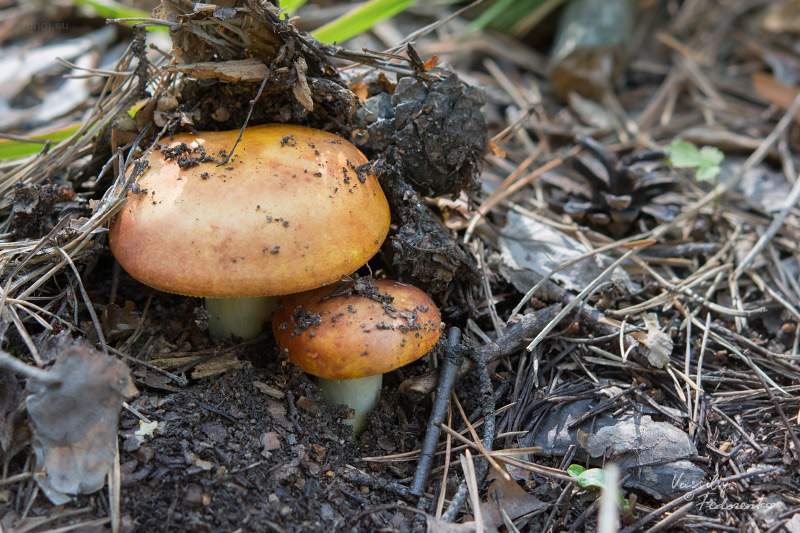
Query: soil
x,y
254,448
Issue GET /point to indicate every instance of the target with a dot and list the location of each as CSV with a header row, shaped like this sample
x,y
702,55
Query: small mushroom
x,y
287,213
348,335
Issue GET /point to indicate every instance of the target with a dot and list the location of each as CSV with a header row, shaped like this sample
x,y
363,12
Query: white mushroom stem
x,y
360,394
238,317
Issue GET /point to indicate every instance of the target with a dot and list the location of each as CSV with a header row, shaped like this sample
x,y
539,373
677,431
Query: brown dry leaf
x,y
431,63
235,70
271,441
361,90
440,526
14,431
455,213
218,365
388,85
783,17
496,150
75,421
116,320
778,93
658,343
269,390
300,88
513,499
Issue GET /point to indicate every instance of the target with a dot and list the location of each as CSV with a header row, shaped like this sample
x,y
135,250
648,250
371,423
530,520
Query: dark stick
x,y
361,478
516,338
447,379
488,406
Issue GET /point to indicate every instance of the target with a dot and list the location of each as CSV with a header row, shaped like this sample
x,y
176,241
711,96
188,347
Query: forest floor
x,y
613,230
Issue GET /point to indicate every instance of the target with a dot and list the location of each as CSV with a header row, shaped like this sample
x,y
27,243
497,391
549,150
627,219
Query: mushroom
x,y
291,211
350,334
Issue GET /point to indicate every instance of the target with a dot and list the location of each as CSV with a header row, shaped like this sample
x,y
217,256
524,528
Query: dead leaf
x,y
218,365
440,526
651,452
455,212
529,244
783,17
14,431
431,63
75,421
270,441
776,92
300,89
251,70
496,150
508,496
360,89
658,343
269,390
388,85
307,405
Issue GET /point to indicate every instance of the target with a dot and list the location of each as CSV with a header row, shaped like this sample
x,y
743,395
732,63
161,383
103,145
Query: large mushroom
x,y
348,335
291,211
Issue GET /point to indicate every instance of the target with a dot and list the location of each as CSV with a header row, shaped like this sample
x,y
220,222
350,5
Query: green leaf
x,y
706,161
575,470
594,478
707,173
587,479
712,155
683,154
291,6
360,19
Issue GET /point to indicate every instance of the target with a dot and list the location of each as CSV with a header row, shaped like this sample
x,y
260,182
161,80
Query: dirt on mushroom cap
x,y
352,336
286,214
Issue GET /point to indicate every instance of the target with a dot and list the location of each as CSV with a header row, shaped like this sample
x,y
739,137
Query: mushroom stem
x,y
360,394
238,317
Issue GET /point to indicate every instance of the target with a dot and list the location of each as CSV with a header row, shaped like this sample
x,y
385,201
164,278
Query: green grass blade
x,y
292,5
112,10
494,11
13,149
360,19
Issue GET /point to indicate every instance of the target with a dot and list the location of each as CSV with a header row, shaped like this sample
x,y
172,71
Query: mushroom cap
x,y
288,213
354,336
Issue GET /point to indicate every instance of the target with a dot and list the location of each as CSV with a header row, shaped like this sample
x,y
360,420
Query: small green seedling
x,y
706,160
594,479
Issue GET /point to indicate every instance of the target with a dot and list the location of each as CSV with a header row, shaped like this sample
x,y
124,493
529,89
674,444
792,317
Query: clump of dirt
x,y
217,105
432,130
36,208
302,320
422,251
188,157
363,287
300,85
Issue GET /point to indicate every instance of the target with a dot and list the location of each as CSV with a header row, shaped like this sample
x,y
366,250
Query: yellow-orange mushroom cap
x,y
288,213
336,334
